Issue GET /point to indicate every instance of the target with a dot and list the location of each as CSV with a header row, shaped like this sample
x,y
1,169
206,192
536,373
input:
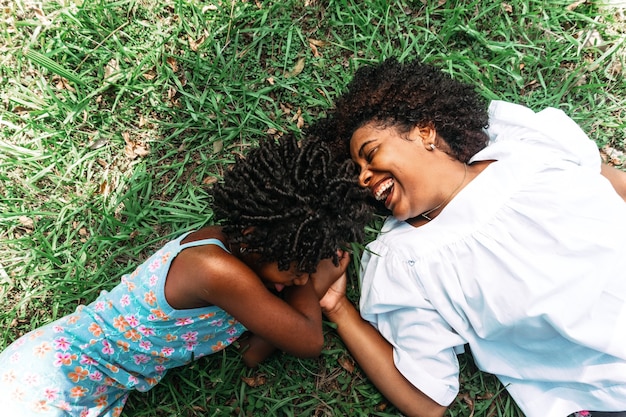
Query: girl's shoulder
x,y
205,234
206,253
202,268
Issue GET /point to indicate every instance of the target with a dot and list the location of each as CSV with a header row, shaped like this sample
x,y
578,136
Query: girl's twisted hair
x,y
294,201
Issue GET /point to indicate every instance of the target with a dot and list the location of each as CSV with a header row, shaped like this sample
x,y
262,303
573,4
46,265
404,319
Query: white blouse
x,y
526,265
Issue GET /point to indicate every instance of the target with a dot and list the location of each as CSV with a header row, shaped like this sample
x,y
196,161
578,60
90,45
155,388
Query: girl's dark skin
x,y
207,275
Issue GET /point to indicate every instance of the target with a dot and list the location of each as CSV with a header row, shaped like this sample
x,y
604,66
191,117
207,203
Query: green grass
x,y
116,116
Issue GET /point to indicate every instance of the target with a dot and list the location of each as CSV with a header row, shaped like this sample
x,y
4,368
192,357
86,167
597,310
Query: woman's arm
x,y
616,177
375,355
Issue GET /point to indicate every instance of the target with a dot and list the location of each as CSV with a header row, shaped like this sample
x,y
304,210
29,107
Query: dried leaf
x,y
62,84
171,93
297,69
298,119
150,75
270,80
138,150
317,42
316,53
218,145
574,5
99,143
285,108
172,63
26,222
612,156
255,381
346,363
592,39
134,149
469,401
209,180
314,44
195,44
112,67
40,15
381,407
104,188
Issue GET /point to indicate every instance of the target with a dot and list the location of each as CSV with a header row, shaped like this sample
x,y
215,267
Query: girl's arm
x,y
293,325
255,348
616,177
375,355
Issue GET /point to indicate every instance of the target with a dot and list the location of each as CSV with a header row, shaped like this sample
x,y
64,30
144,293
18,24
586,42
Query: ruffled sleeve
x,y
423,343
551,131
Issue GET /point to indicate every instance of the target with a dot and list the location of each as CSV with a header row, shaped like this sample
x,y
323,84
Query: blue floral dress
x,y
86,363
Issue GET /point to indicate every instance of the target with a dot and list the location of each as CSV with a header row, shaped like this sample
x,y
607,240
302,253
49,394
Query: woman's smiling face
x,y
395,167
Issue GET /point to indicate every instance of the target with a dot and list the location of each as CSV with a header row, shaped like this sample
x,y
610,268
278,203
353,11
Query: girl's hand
x,y
334,296
327,273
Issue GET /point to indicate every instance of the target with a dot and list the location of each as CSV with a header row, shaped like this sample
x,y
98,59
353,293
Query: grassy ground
x,y
116,116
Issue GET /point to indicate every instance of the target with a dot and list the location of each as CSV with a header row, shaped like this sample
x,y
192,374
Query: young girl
x,y
286,209
510,240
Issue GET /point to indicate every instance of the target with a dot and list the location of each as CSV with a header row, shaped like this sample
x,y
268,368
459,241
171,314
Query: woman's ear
x,y
247,230
428,135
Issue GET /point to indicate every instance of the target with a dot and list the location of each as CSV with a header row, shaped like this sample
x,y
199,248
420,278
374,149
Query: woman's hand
x,y
617,179
327,273
334,295
375,355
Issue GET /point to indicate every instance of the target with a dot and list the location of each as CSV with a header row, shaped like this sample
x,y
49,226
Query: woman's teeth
x,y
382,191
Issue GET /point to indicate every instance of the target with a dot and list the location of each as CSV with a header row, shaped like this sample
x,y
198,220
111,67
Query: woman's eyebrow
x,y
361,149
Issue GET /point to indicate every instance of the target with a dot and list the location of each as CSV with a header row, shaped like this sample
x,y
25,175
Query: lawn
x,y
117,116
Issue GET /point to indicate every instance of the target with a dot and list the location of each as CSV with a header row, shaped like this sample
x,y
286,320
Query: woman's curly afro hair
x,y
294,201
408,95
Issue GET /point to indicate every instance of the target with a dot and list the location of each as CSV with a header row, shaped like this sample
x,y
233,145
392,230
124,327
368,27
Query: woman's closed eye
x,y
369,155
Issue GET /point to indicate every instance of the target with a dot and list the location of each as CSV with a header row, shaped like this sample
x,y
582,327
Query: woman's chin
x,y
399,215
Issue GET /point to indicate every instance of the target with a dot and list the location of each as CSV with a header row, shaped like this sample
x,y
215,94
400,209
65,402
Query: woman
x,y
510,240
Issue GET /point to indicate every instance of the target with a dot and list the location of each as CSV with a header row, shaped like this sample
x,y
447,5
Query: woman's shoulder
x,y
549,133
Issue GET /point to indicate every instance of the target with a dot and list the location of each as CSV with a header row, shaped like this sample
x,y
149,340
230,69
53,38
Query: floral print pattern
x,y
85,364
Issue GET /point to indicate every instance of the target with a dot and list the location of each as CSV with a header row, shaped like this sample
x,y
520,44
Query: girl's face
x,y
276,279
398,168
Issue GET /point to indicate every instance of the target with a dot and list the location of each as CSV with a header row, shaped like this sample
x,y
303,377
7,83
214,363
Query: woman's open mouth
x,y
383,190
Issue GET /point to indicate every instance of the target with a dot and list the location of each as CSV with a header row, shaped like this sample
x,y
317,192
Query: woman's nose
x,y
364,177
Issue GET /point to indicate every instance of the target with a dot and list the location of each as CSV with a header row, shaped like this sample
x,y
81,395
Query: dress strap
x,y
201,242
